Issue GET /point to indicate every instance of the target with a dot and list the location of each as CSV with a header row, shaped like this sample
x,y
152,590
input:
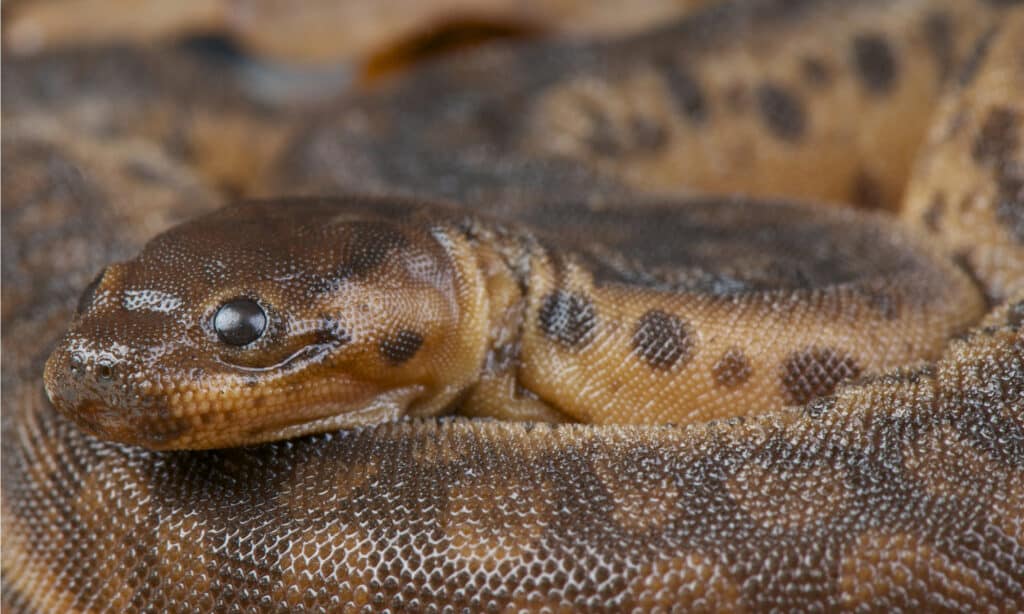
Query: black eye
x,y
240,321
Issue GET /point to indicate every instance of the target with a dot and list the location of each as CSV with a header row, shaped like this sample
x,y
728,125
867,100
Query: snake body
x,y
371,309
899,489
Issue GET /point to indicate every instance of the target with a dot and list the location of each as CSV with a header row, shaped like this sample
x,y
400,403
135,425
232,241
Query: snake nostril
x,y
105,370
77,364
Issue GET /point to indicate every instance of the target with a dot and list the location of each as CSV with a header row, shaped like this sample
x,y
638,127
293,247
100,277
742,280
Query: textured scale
x,y
898,490
745,307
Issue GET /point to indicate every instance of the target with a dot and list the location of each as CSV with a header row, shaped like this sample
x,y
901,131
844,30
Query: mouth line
x,y
313,351
387,407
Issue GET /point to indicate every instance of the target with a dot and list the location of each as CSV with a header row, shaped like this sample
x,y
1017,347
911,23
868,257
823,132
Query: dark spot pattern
x,y
815,372
686,91
662,340
364,248
782,112
875,63
997,139
401,347
332,332
732,369
867,192
648,135
816,72
938,34
568,318
639,135
372,243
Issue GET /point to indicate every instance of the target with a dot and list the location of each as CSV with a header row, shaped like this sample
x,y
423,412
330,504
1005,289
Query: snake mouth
x,y
386,406
307,354
96,392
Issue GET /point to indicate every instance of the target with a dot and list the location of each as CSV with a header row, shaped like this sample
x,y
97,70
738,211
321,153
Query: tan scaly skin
x,y
901,490
373,309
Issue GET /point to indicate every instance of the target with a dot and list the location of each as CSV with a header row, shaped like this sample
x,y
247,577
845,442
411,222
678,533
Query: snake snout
x,y
93,388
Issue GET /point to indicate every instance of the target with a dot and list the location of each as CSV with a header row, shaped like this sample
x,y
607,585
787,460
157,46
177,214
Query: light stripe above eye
x,y
150,300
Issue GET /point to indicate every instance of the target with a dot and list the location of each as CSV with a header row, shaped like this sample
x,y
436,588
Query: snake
x,y
670,398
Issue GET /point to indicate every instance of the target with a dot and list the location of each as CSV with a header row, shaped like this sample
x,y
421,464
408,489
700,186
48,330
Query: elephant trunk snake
x,y
728,399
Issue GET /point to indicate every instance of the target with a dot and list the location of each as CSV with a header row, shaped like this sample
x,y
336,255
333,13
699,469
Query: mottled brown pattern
x,y
815,372
401,347
816,72
662,340
781,111
867,192
875,62
732,369
686,90
568,318
281,514
997,137
899,491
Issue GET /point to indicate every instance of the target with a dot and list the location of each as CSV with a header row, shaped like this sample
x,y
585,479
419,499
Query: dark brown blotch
x,y
648,135
401,347
998,138
662,340
816,72
370,246
568,318
732,369
815,372
875,63
364,247
867,191
686,90
782,112
638,135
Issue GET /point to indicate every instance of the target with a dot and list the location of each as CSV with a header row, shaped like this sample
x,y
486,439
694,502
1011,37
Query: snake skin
x,y
902,491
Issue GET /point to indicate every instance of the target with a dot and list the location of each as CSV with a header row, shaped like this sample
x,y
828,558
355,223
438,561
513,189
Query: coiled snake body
x,y
845,391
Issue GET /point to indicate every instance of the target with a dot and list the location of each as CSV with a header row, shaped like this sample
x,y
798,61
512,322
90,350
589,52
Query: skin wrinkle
x,y
898,490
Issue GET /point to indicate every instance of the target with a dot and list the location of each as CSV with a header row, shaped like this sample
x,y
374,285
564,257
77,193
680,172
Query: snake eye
x,y
240,321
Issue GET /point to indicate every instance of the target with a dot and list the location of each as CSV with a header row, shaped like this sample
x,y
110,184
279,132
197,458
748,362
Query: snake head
x,y
267,320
